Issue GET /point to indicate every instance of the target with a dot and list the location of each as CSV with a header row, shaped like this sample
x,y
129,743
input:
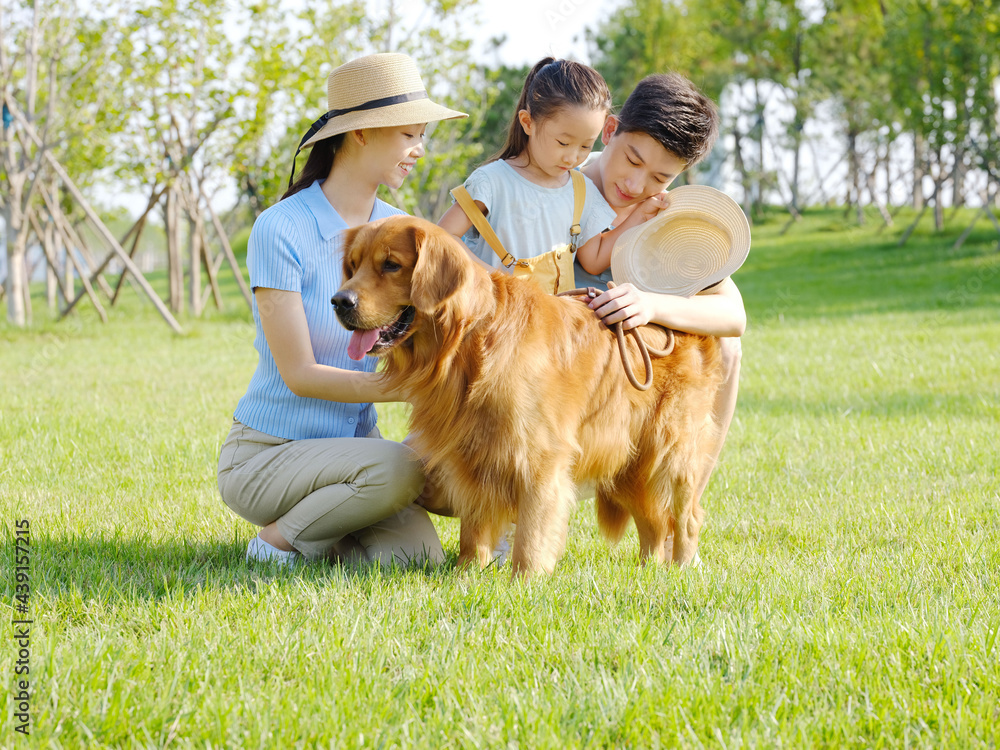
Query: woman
x,y
304,459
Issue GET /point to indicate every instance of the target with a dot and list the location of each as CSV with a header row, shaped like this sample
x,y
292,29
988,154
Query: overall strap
x,y
579,196
479,221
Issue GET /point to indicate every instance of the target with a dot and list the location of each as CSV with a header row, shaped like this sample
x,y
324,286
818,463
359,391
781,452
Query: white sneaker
x,y
502,551
258,549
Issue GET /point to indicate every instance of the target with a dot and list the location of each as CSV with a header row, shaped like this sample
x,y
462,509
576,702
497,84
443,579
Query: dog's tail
x,y
612,519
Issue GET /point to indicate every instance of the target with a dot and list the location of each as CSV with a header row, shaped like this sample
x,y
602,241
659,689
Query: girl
x,y
525,190
303,459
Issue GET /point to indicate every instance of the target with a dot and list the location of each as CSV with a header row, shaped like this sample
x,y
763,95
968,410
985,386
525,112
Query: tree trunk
x,y
938,192
69,280
796,156
51,281
798,123
873,192
854,176
26,282
194,267
220,231
13,285
918,172
887,164
958,178
744,177
759,110
175,264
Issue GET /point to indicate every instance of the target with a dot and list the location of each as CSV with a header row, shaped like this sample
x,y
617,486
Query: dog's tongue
x,y
361,343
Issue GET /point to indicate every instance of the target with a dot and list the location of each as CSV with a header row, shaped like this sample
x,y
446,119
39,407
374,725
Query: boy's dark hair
x,y
672,111
550,86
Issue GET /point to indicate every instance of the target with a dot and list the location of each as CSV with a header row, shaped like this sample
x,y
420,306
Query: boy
x,y
665,126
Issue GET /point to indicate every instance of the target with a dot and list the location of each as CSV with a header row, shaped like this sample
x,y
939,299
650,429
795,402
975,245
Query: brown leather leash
x,y
644,349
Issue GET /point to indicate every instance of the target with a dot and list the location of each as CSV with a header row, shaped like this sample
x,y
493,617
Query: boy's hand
x,y
623,303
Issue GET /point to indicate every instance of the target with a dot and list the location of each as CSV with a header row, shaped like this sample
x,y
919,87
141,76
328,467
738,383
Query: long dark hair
x,y
318,165
550,86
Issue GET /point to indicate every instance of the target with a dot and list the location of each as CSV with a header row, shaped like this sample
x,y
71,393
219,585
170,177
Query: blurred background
x,y
175,122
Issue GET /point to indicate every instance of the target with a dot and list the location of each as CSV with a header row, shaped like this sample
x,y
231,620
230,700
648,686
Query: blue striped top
x,y
295,246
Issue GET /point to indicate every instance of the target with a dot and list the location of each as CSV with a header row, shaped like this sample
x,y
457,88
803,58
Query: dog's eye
x,y
390,266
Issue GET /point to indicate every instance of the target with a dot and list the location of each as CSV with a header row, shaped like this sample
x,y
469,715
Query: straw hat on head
x,y
699,240
375,91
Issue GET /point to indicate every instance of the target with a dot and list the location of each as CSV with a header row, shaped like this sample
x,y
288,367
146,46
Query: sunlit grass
x,y
848,596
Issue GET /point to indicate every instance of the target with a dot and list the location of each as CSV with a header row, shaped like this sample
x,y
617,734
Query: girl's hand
x,y
652,206
623,303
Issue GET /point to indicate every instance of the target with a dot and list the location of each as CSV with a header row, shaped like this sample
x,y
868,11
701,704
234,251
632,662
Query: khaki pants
x,y
348,498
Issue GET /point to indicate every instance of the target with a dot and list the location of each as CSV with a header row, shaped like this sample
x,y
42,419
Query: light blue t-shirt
x,y
295,246
530,219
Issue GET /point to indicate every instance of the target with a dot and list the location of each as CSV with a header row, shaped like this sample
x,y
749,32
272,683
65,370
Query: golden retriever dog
x,y
519,395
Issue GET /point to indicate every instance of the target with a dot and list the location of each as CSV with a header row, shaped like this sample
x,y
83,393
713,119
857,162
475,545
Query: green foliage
x,y
61,86
652,36
847,598
947,55
849,59
180,60
439,43
927,69
287,58
506,84
139,90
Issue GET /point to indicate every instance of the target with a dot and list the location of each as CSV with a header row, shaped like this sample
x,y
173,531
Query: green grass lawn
x,y
849,595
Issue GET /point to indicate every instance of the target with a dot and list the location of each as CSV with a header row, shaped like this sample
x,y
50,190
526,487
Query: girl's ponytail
x,y
517,139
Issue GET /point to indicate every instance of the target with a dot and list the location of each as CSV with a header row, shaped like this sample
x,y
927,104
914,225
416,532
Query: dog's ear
x,y
442,268
348,238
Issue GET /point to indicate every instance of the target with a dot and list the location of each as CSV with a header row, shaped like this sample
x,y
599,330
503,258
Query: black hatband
x,y
386,101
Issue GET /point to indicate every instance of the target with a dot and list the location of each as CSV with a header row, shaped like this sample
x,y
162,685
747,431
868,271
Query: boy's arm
x,y
718,311
595,254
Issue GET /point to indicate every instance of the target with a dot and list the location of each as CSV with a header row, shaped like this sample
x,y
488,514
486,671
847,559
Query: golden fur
x,y
519,395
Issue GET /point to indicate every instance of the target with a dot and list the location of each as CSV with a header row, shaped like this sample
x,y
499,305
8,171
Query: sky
x,y
536,28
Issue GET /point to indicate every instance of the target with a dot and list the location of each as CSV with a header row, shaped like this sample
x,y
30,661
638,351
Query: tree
x,y
291,61
286,57
945,63
848,55
760,41
179,61
439,43
503,89
728,48
51,61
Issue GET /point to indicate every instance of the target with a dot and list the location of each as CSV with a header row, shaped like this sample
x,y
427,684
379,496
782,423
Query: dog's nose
x,y
344,300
